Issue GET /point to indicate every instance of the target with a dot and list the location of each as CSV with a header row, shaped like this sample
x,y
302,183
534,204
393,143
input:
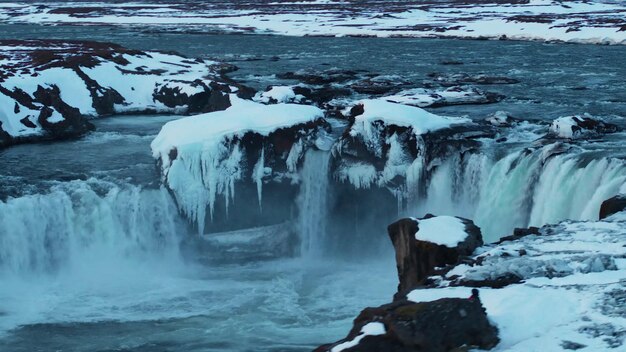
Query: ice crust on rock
x,y
202,157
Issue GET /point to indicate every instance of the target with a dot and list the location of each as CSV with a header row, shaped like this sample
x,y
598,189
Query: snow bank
x,y
202,156
574,277
448,231
581,21
79,79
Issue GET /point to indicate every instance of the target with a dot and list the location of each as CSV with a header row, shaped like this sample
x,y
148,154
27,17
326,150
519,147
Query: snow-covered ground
x,y
572,291
91,79
568,20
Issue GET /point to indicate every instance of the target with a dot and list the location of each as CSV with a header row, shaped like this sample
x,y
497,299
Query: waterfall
x,y
312,203
80,223
524,188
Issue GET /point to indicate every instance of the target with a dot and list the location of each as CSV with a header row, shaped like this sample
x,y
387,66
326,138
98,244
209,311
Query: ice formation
x,y
202,156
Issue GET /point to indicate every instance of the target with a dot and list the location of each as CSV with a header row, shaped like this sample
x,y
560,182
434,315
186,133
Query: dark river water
x,y
90,254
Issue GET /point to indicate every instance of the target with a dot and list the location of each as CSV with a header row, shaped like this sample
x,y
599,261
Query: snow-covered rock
x,y
579,126
388,143
279,94
450,324
571,275
422,245
49,88
555,288
456,95
204,156
500,118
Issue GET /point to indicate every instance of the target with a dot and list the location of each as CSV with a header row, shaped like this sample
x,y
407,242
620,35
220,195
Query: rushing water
x,y
97,264
91,247
313,203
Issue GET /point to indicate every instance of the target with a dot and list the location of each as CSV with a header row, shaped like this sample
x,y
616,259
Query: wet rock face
x,y
439,326
418,259
612,206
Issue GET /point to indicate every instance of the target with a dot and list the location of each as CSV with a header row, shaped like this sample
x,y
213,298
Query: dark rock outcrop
x,y
416,259
612,206
448,324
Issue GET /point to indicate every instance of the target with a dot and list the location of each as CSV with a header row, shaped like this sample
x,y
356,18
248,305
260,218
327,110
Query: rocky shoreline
x,y
580,264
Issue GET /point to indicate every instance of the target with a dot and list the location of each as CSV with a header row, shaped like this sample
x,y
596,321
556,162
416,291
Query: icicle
x,y
257,176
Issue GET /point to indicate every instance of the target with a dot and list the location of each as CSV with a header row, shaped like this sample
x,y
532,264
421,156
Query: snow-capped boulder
x,y
48,88
500,118
422,245
205,156
456,95
388,144
579,126
279,94
448,324
612,206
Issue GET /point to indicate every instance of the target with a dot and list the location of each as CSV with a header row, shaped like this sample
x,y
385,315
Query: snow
x,y
137,77
369,126
138,88
420,120
209,160
242,117
421,97
73,89
571,126
280,94
581,21
369,329
11,120
574,273
444,230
